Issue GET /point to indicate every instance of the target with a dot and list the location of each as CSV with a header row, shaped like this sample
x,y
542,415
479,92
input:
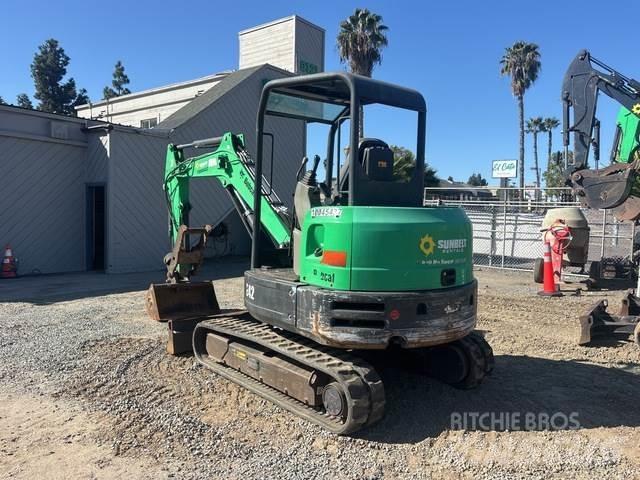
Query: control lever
x,y
302,168
316,162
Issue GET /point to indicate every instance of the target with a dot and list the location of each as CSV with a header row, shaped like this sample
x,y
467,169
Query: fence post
x,y
633,236
492,226
504,230
604,230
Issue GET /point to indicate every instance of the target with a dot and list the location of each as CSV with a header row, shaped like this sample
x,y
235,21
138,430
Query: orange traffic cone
x,y
549,285
9,267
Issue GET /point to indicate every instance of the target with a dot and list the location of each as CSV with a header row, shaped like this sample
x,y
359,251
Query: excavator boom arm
x,y
612,187
581,85
230,164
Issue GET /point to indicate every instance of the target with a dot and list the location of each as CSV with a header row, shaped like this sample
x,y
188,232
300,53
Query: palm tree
x,y
535,126
360,42
521,62
549,124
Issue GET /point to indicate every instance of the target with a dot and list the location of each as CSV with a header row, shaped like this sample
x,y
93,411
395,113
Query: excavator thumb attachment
x,y
598,323
168,301
179,297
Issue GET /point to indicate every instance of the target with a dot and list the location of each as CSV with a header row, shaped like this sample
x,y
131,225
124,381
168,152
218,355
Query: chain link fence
x,y
507,223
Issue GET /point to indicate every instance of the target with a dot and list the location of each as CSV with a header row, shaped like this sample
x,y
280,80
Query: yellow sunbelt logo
x,y
427,245
452,245
636,109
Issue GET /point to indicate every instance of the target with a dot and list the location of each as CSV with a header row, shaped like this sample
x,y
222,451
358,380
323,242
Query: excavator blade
x,y
170,301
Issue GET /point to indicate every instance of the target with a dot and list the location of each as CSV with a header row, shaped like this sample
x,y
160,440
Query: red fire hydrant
x,y
558,235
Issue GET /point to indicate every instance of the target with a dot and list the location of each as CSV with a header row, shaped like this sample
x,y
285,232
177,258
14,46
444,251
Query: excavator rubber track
x,y
351,382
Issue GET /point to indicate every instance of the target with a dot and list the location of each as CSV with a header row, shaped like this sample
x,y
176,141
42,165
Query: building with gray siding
x,y
48,209
85,194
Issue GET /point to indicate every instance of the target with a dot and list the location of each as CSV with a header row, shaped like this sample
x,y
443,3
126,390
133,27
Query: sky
x,y
447,50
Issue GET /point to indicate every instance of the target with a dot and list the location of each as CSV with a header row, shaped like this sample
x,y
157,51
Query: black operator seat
x,y
376,158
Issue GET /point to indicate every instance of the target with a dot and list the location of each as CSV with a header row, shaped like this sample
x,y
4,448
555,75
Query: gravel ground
x,y
88,392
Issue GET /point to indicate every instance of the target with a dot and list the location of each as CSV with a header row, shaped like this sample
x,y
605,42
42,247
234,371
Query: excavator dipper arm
x,y
611,187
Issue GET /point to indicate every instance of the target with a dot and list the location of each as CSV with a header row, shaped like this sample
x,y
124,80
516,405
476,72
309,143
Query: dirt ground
x,y
88,392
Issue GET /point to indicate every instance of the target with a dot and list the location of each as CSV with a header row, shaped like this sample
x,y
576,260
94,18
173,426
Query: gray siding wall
x,y
309,46
98,158
42,205
137,238
236,112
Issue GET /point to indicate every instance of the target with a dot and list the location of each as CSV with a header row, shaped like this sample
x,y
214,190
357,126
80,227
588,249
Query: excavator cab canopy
x,y
366,178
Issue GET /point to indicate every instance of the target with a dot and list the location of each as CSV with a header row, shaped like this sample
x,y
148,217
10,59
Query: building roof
x,y
153,91
280,20
198,104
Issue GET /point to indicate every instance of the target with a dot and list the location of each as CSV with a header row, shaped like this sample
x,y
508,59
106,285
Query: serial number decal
x,y
326,212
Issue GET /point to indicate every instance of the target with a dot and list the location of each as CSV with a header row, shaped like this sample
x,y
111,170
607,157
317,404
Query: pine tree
x,y
2,102
48,69
476,180
24,101
120,79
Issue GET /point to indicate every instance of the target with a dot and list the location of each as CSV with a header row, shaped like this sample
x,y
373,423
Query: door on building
x,y
96,252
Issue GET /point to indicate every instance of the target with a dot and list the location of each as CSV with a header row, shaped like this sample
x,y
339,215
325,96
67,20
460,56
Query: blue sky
x,y
447,50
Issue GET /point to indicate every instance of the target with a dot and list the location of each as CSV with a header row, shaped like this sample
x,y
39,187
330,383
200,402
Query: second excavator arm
x,y
610,187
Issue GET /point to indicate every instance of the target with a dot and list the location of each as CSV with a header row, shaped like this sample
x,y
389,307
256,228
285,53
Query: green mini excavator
x,y
357,264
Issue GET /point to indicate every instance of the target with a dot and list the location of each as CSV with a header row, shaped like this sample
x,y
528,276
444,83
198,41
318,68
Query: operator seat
x,y
376,158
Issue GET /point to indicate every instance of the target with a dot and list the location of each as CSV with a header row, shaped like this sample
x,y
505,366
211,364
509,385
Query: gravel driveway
x,y
88,392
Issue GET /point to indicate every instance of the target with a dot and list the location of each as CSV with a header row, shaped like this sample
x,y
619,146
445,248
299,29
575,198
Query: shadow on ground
x,y
419,407
48,289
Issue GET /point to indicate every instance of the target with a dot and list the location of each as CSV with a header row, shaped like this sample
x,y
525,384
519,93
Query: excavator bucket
x,y
180,297
168,301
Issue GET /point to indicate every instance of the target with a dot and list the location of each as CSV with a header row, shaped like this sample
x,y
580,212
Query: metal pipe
x,y
204,143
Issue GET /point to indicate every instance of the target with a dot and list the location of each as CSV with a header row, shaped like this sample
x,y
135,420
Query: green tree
x,y
535,125
431,176
120,79
521,62
361,38
2,102
554,175
404,161
48,70
24,101
477,181
81,99
550,124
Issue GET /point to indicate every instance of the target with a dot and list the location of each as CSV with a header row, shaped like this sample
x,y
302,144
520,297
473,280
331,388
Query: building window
x,y
148,123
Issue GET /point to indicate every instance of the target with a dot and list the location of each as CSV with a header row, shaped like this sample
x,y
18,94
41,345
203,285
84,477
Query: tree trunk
x,y
535,163
549,149
521,159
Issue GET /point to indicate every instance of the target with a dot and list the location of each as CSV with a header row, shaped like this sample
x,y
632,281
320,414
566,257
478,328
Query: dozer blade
x,y
167,301
598,323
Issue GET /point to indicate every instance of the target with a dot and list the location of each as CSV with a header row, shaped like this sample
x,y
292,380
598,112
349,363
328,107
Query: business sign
x,y
504,169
